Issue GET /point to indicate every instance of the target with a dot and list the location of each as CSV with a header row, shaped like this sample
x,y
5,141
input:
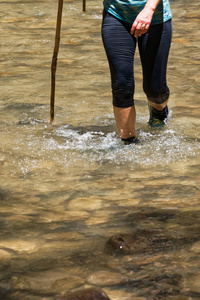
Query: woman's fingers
x,y
133,27
139,28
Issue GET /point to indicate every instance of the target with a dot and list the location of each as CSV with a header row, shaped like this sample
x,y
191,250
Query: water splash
x,y
156,147
71,146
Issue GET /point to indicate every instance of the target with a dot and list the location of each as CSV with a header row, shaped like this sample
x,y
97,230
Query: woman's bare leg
x,y
158,106
125,120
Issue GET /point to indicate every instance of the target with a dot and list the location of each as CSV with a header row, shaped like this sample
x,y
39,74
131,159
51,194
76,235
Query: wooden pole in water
x,y
54,59
84,5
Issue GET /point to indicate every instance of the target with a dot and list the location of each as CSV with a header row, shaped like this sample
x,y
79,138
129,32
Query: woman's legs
x,y
120,49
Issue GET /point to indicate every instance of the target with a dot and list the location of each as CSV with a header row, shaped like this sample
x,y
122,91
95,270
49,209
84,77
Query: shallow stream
x,y
66,188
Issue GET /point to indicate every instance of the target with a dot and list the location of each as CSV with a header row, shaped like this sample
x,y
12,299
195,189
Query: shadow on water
x,y
153,255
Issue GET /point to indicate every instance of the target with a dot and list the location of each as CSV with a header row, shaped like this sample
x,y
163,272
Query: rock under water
x,y
88,294
123,244
141,241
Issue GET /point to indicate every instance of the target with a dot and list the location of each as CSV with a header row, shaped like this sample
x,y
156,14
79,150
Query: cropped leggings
x,y
120,47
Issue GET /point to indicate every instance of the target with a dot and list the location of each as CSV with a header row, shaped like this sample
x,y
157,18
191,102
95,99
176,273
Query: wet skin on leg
x,y
125,120
158,106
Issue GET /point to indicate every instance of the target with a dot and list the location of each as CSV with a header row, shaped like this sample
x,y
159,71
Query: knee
x,y
123,94
157,97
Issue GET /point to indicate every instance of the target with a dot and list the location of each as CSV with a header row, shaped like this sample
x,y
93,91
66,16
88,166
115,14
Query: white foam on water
x,y
71,146
155,147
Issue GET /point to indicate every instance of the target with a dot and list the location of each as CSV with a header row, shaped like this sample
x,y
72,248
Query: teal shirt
x,y
127,10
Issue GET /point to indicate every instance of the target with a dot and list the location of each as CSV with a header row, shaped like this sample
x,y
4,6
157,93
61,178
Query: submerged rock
x,y
141,241
4,255
195,247
106,278
88,294
124,244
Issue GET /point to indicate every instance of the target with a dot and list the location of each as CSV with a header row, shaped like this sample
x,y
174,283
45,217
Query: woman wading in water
x,y
147,22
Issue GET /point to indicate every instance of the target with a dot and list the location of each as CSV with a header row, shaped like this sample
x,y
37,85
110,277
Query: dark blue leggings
x,y
120,48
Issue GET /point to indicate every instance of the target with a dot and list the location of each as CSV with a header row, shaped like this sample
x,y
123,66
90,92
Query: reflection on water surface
x,y
79,209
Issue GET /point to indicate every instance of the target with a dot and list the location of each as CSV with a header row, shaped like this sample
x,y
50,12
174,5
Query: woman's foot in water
x,y
130,140
158,117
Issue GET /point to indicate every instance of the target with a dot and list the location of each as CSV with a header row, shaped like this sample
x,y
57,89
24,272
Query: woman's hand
x,y
142,21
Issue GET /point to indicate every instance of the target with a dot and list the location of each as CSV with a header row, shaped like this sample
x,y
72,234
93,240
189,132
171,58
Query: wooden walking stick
x,y
54,59
84,5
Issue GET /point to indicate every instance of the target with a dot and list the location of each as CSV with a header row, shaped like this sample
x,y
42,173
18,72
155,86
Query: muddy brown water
x,y
66,189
